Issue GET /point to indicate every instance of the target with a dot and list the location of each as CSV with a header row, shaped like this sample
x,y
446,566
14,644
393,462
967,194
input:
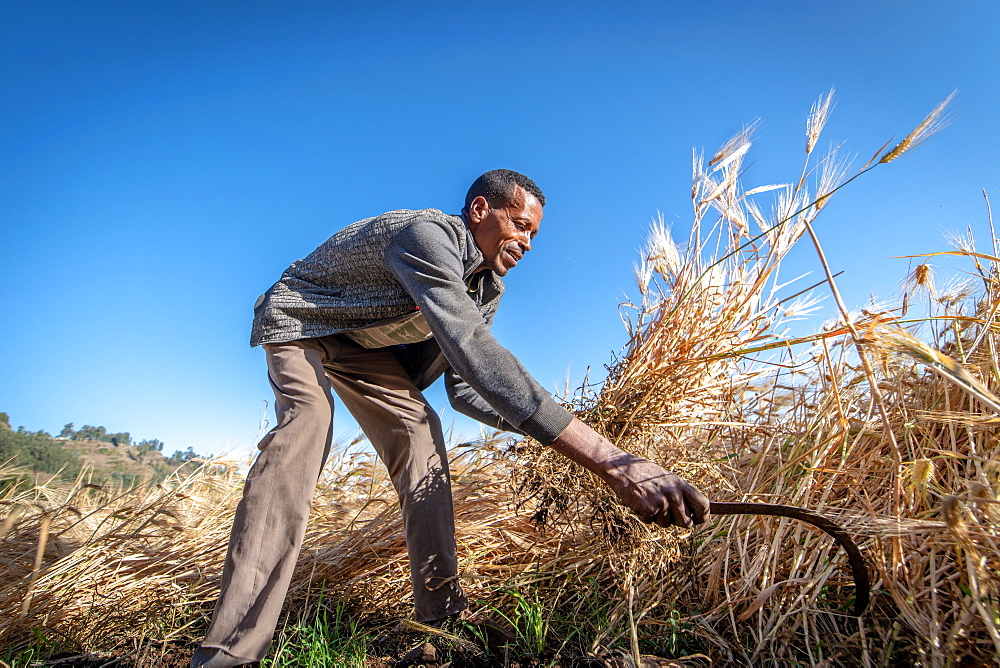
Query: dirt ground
x,y
180,657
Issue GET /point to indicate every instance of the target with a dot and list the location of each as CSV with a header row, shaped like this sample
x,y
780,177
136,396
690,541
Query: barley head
x,y
935,121
818,116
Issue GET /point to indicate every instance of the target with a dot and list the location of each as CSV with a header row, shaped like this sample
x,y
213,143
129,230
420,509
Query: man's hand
x,y
654,494
649,491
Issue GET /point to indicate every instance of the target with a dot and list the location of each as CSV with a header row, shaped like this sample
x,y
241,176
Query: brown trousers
x,y
271,518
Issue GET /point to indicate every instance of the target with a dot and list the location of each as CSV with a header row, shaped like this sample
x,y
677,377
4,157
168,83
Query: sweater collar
x,y
473,256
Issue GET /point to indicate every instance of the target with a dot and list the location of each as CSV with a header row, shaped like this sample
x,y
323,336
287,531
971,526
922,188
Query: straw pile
x,y
864,422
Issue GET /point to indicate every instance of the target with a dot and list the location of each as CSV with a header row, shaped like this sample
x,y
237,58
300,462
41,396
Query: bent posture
x,y
376,314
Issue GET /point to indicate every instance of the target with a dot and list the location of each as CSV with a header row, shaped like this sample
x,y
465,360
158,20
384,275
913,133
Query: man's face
x,y
504,234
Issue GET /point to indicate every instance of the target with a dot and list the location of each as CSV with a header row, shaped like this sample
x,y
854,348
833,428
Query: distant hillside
x,y
103,457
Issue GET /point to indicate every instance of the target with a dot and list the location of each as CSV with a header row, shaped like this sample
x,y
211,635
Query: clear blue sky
x,y
162,163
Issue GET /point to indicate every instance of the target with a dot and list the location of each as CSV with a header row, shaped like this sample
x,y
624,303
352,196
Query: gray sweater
x,y
384,268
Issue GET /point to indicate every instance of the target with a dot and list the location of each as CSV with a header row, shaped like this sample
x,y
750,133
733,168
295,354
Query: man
x,y
376,314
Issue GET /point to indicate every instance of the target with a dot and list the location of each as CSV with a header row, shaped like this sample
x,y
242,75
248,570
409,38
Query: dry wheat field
x,y
885,421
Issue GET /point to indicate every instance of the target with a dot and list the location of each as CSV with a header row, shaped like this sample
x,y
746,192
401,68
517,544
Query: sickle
x,y
859,568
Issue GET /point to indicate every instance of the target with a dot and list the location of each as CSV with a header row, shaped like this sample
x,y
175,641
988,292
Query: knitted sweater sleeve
x,y
467,401
425,257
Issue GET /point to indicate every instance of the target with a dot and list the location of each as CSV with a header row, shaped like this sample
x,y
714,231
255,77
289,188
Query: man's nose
x,y
525,241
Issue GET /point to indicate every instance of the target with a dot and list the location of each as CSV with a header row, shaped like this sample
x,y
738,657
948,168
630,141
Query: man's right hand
x,y
647,489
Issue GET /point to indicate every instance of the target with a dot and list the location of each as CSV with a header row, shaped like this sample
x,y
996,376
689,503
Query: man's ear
x,y
478,209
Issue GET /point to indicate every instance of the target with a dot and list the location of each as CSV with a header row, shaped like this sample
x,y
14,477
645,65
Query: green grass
x,y
330,637
43,645
21,658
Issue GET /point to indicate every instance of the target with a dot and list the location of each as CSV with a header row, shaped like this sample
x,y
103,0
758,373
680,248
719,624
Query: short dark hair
x,y
497,187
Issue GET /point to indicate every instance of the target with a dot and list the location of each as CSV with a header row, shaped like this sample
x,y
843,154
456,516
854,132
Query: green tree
x,y
147,445
38,451
91,433
67,431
